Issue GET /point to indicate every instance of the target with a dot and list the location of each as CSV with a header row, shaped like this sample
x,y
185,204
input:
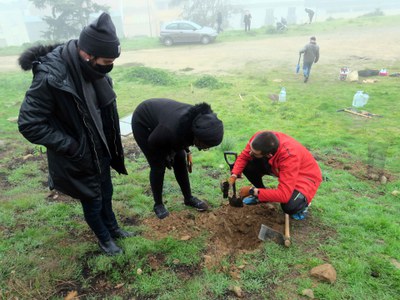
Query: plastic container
x,y
343,73
360,99
282,95
383,72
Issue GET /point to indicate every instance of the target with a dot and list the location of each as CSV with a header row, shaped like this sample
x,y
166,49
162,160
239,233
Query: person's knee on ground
x,y
296,204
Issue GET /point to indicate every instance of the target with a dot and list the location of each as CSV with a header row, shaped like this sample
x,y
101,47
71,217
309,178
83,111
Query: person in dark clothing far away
x,y
247,21
219,22
279,155
310,56
164,129
310,13
71,109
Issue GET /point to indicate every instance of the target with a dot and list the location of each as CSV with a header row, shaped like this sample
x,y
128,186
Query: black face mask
x,y
104,69
92,73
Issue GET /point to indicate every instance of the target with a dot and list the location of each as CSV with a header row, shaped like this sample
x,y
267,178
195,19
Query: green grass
x,y
46,248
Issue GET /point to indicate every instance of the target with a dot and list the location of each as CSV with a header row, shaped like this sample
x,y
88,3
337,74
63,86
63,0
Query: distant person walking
x,y
219,22
310,13
310,55
247,21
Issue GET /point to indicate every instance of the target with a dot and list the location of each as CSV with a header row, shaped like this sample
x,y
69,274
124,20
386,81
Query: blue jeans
x,y
98,212
307,69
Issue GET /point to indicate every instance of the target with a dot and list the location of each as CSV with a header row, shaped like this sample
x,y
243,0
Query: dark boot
x,y
110,248
161,211
121,234
196,203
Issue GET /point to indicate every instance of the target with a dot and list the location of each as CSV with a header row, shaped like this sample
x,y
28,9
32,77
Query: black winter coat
x,y
55,116
169,123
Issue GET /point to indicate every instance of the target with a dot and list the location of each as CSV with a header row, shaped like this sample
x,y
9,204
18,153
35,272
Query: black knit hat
x,y
208,129
100,39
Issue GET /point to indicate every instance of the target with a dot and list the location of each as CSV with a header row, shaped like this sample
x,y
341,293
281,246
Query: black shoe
x,y
161,211
196,203
305,79
121,234
110,248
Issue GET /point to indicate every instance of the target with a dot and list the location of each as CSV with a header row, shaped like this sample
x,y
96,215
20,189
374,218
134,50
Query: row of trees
x,y
68,17
204,12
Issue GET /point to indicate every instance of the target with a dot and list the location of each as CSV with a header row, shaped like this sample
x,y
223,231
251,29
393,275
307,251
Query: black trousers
x,y
98,213
158,163
259,167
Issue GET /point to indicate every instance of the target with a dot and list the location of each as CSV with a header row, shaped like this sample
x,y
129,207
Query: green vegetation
x,y
47,250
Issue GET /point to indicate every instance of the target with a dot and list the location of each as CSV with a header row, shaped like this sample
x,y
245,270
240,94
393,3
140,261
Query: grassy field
x,y
48,252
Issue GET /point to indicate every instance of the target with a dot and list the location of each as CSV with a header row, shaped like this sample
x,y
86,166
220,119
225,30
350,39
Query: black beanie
x,y
208,129
99,38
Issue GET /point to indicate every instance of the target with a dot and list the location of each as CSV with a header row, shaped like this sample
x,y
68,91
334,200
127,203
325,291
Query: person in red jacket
x,y
277,154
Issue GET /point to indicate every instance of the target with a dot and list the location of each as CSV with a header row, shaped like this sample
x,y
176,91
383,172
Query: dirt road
x,y
356,49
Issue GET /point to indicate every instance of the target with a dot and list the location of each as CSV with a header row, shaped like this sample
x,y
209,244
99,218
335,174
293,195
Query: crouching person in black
x,y
164,129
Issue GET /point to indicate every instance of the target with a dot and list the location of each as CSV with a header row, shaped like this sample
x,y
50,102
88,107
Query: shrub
x,y
150,76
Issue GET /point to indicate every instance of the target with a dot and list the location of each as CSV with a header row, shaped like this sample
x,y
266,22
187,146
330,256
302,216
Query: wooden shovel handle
x,y
287,234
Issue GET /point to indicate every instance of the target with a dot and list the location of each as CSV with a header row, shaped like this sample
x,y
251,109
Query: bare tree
x,y
204,12
68,17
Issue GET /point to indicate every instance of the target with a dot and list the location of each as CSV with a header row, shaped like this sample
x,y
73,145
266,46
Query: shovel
x,y
230,158
298,65
267,233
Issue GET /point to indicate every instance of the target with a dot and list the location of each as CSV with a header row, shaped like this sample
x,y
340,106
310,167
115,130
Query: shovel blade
x,y
235,202
266,233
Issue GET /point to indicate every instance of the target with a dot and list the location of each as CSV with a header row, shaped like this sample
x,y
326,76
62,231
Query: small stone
x,y
383,179
395,193
186,238
237,290
325,272
309,293
139,271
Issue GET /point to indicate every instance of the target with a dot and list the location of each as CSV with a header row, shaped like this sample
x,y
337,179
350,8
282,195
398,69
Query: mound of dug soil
x,y
231,230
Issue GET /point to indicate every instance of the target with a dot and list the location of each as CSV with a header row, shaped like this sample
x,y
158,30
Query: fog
x,y
21,22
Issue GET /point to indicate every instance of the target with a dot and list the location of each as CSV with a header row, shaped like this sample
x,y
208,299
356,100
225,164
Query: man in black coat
x,y
164,129
71,109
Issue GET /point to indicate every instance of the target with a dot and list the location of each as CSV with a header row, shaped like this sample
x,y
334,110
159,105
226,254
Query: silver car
x,y
186,32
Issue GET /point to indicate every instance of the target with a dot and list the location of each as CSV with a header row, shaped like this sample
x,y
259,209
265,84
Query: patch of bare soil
x,y
360,170
230,230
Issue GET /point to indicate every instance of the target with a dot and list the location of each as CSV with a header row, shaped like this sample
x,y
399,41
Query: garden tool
x,y
267,233
230,158
298,65
350,111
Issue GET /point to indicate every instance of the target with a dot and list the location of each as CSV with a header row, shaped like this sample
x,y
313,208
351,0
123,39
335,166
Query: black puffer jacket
x,y
55,116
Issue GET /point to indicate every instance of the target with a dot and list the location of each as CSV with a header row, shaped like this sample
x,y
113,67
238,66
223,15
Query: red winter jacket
x,y
294,166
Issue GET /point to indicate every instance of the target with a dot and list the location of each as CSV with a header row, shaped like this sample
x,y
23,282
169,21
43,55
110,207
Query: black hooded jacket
x,y
169,123
54,114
